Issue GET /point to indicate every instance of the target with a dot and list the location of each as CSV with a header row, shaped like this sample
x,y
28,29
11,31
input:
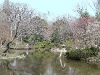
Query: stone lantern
x,y
63,50
63,45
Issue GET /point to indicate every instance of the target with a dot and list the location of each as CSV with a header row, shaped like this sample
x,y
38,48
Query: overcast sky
x,y
56,7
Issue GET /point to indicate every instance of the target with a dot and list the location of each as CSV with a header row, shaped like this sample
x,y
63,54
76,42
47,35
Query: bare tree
x,y
18,18
40,25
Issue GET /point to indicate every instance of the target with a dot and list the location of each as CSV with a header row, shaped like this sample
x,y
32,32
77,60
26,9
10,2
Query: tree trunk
x,y
15,36
7,46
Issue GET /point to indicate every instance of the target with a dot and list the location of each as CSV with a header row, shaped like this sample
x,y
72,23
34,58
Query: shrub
x,y
32,38
93,49
43,46
79,54
73,54
68,44
17,43
58,45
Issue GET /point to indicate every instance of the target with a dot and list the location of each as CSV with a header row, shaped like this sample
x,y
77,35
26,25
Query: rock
x,y
92,59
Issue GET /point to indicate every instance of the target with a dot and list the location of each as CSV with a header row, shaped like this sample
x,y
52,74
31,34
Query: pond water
x,y
55,66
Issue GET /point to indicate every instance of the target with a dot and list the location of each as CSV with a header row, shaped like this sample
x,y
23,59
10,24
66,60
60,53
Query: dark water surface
x,y
55,66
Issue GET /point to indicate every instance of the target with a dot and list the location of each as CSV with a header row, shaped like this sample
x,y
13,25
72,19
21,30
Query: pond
x,y
32,65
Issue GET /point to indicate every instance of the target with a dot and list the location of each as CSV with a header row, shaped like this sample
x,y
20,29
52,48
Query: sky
x,y
57,7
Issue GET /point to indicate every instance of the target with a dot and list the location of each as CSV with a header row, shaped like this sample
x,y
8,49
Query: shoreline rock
x,y
92,59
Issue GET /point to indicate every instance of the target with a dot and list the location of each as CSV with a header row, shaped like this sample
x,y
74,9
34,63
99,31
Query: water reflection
x,y
14,63
39,66
49,71
62,64
25,73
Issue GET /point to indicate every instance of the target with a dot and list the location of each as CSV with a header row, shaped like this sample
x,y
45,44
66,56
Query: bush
x,y
32,38
79,54
17,43
43,46
58,45
73,54
93,49
68,44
